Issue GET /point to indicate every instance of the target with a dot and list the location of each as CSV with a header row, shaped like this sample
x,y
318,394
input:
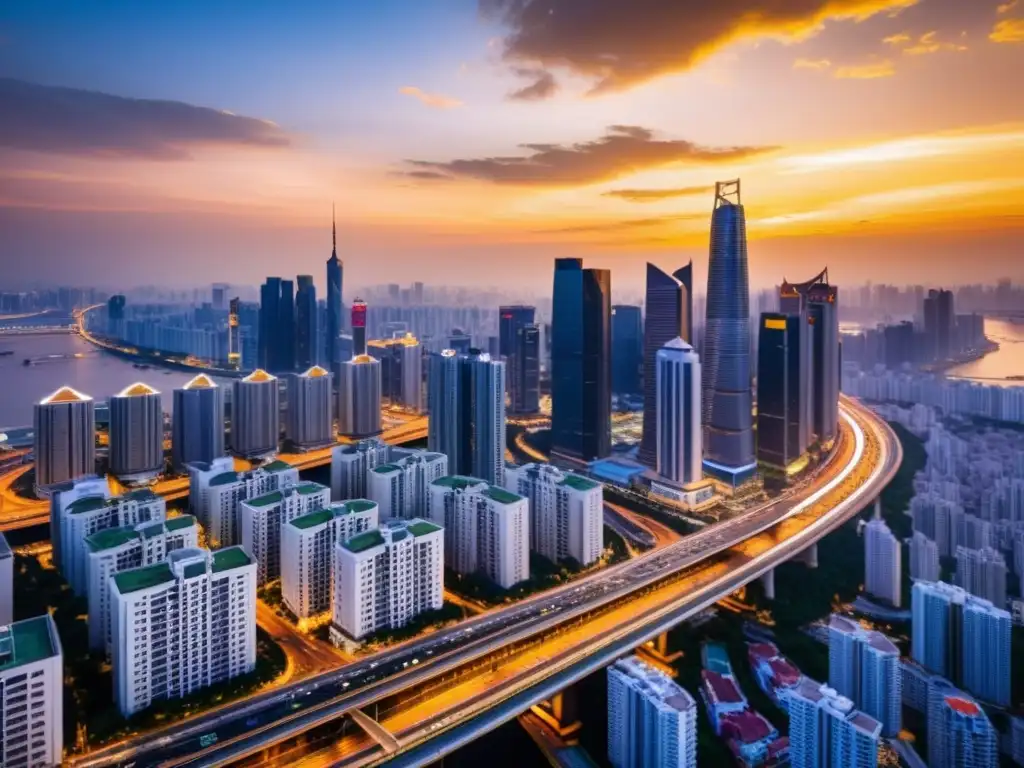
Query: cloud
x,y
654,195
1006,7
542,87
617,45
69,121
434,100
620,225
866,71
897,39
622,150
1008,31
426,175
929,43
818,64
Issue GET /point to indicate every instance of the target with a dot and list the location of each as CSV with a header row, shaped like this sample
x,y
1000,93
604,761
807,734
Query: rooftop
x,y
224,478
722,688
258,377
307,488
110,538
142,494
963,706
229,558
316,372
364,541
579,483
24,642
747,727
358,505
202,381
274,497
65,395
277,466
383,469
313,519
138,389
86,504
422,528
502,496
458,482
179,522
143,578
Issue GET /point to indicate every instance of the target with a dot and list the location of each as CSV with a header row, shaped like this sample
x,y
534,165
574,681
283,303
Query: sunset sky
x,y
471,142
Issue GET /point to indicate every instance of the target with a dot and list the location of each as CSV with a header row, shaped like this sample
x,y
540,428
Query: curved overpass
x,y
465,680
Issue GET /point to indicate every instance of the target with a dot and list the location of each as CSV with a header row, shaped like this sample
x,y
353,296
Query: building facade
x,y
679,444
982,572
64,427
136,434
310,416
924,558
627,349
197,424
6,582
783,391
263,517
883,563
351,465
825,731
864,666
401,487
256,415
359,397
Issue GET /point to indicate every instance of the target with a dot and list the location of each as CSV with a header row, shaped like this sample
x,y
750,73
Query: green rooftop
x,y
152,530
224,478
143,578
421,528
192,570
274,497
179,522
307,488
383,469
110,538
277,466
87,504
431,456
313,519
358,505
364,541
142,494
502,496
457,482
24,642
578,483
230,557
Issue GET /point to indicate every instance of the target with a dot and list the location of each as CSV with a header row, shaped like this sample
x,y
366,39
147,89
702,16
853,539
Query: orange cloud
x,y
897,39
929,43
866,71
812,64
1007,7
1008,31
430,99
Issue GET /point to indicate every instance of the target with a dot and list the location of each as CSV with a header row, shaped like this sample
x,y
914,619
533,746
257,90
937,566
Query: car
x,y
346,684
207,740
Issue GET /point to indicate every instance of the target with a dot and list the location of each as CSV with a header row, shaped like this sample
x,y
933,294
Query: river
x,y
96,374
1008,360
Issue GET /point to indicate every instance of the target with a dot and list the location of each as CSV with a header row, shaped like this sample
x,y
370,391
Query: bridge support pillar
x,y
560,712
878,508
810,556
656,653
768,582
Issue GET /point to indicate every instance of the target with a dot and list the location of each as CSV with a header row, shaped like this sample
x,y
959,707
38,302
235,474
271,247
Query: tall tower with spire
x,y
334,275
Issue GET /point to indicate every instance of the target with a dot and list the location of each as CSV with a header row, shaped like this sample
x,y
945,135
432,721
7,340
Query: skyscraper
x,y
358,327
359,396
335,270
33,714
307,349
783,389
939,317
511,319
286,327
986,651
924,558
444,394
136,434
825,731
581,362
669,315
652,722
309,422
277,326
197,426
525,390
864,666
960,734
883,563
982,572
678,389
401,487
64,425
727,399
351,465
627,349
255,415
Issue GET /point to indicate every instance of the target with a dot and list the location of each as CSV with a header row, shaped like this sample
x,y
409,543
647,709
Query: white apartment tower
x,y
864,666
486,528
351,465
679,432
825,731
924,558
113,550
307,552
401,486
6,582
181,625
982,572
31,694
263,517
960,734
652,722
883,561
566,512
385,577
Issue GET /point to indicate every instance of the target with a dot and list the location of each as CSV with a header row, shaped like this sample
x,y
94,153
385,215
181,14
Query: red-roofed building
x,y
775,673
749,736
721,696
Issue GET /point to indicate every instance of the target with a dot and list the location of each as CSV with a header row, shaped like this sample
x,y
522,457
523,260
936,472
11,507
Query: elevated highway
x,y
435,693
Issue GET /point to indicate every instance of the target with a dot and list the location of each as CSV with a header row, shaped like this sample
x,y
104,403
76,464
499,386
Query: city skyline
x,y
154,168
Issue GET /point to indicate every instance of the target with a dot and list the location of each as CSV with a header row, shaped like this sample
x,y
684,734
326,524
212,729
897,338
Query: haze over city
x,y
470,143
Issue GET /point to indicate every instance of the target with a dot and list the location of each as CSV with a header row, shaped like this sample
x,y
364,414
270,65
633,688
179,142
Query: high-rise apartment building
x,y
31,694
678,448
627,349
385,577
401,487
883,563
335,272
669,315
401,361
444,397
359,397
652,722
263,517
307,346
197,425
581,362
6,582
181,625
960,734
987,652
783,391
982,572
64,495
255,415
924,558
864,666
513,320
136,434
727,397
309,421
524,386
486,528
566,512
307,552
939,319
351,464
216,491
64,425
825,731
113,550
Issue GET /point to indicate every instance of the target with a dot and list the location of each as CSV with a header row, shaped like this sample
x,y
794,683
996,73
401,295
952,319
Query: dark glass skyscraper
x,y
782,389
306,354
270,312
580,361
286,327
526,389
669,307
511,319
627,349
727,400
334,308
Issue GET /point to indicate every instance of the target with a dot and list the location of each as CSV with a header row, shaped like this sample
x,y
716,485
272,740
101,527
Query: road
x,y
306,655
267,719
